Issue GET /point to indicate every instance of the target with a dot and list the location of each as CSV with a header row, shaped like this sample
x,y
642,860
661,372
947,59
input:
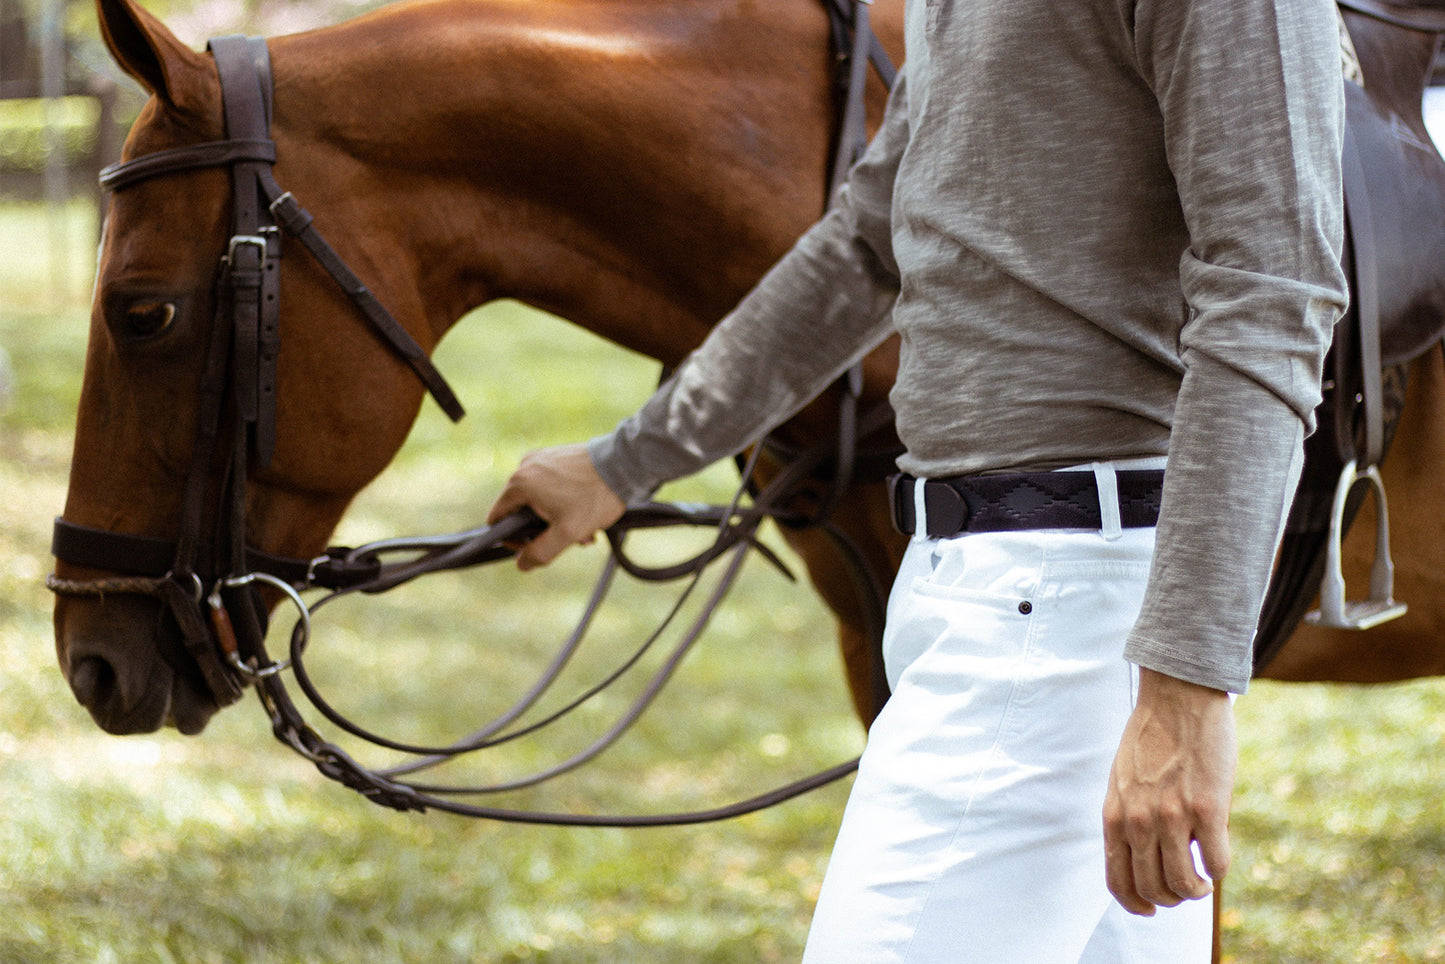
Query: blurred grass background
x,y
228,848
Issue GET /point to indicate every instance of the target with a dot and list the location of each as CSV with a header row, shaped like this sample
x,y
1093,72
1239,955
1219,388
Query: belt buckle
x,y
945,507
948,510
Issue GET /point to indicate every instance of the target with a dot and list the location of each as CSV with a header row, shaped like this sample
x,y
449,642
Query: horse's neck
x,y
629,165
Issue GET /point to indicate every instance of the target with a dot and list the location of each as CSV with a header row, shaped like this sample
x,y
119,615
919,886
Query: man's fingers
x,y
1157,846
562,487
1149,877
540,551
1214,852
1180,878
1143,877
508,502
1119,872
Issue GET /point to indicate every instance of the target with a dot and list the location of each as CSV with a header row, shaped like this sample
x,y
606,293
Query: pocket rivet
x,y
1026,607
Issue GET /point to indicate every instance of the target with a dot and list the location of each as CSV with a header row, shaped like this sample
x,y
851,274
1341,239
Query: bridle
x,y
238,383
211,581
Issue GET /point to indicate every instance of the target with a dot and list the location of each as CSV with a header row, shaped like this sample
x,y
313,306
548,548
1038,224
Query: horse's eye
x,y
149,318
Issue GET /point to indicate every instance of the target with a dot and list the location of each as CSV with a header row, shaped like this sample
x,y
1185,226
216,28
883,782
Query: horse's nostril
x,y
92,680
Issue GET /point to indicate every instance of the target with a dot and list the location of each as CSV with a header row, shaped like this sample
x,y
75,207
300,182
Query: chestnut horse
x,y
632,166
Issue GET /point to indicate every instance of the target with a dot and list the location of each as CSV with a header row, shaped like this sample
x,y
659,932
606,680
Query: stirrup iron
x,y
1381,606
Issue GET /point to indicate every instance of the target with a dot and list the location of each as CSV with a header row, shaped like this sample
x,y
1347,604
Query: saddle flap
x,y
1404,177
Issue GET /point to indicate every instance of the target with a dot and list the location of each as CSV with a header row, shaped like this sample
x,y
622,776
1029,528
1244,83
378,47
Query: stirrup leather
x,y
1335,611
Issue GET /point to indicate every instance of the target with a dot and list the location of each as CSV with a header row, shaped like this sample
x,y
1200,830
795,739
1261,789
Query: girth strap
x,y
853,135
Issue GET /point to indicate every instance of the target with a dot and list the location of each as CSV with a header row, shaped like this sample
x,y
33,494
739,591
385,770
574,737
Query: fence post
x,y
107,141
52,88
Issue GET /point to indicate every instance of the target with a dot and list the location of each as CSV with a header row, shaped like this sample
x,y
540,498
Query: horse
x,y
633,167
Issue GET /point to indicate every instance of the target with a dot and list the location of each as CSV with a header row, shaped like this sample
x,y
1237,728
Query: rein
x,y
211,581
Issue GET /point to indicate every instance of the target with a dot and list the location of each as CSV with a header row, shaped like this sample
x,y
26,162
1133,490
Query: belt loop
x,y
1108,484
920,510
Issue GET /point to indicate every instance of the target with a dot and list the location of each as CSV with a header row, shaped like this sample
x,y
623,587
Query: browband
x,y
211,154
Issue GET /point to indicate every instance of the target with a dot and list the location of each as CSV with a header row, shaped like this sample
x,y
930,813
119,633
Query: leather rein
x,y
211,581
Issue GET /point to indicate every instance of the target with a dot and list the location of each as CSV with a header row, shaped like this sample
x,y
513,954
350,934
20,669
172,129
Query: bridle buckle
x,y
247,240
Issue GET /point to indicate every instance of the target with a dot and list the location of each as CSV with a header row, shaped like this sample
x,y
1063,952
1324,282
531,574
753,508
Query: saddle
x,y
1394,249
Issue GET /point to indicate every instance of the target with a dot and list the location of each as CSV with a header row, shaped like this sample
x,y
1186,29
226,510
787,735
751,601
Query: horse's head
x,y
142,461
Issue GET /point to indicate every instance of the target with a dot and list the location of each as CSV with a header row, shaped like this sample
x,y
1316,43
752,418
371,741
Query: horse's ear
x,y
147,50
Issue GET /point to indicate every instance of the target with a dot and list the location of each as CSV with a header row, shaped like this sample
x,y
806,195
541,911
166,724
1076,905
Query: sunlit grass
x,y
229,848
1339,825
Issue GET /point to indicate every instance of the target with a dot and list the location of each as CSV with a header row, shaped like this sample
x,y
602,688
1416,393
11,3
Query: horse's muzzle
x,y
109,650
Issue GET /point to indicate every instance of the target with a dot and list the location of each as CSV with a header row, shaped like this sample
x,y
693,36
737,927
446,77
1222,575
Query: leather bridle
x,y
237,389
208,578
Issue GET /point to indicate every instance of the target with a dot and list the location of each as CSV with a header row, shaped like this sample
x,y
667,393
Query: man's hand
x,y
562,486
1171,785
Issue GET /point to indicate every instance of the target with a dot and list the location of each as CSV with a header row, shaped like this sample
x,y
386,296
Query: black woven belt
x,y
1029,500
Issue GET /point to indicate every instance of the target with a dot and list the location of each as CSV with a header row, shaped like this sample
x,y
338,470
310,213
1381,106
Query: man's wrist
x,y
1155,686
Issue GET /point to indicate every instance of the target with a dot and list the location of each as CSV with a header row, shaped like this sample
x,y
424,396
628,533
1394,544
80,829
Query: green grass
x,y
228,848
1339,825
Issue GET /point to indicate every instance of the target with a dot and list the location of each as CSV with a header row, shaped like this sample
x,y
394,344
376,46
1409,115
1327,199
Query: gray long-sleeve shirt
x,y
1104,229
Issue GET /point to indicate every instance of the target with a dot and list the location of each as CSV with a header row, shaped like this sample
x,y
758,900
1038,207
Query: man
x,y
1108,233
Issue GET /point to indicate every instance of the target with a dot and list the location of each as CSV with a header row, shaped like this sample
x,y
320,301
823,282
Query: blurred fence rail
x,y
60,123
